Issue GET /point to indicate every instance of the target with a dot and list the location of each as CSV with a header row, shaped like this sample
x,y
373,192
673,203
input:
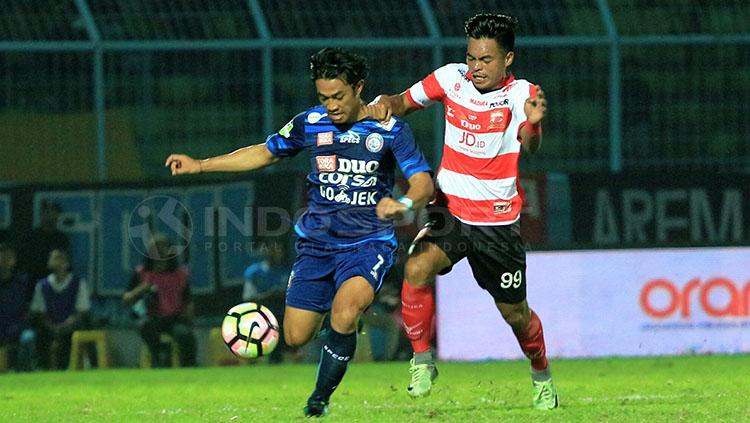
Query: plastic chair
x,y
84,337
174,349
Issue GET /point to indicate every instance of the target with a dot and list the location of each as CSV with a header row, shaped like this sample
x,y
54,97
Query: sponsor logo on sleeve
x,y
287,129
374,142
325,138
315,117
326,163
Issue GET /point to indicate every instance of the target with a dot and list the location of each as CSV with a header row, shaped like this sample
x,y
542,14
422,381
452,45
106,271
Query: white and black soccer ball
x,y
250,330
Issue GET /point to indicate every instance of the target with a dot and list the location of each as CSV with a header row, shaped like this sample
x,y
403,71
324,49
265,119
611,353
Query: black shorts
x,y
496,254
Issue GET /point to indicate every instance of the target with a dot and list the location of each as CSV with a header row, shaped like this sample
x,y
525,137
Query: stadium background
x,y
646,143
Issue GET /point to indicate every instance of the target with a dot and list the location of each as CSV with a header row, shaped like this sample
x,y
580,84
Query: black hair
x,y
489,25
336,63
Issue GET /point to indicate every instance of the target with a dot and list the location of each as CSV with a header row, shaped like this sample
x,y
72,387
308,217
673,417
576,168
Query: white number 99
x,y
509,279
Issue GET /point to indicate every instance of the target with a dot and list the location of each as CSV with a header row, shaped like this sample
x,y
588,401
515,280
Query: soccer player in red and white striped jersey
x,y
490,116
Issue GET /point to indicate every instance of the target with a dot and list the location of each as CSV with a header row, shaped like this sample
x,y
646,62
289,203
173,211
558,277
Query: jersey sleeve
x,y
290,139
409,157
427,91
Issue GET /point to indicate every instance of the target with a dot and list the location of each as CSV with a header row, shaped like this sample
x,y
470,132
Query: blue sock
x,y
338,349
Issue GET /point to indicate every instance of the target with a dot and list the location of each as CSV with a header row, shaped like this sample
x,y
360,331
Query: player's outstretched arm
x,y
420,191
535,108
384,106
245,159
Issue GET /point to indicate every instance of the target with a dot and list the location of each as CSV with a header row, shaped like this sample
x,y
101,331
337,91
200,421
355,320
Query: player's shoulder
x,y
394,125
314,115
520,86
452,70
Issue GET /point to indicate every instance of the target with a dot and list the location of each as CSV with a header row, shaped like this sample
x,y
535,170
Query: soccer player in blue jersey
x,y
345,240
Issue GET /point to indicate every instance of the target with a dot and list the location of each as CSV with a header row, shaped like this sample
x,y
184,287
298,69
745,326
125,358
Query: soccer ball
x,y
250,330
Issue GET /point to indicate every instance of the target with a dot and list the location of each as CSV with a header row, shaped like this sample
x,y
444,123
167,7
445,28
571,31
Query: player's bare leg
x,y
418,312
528,329
351,300
300,325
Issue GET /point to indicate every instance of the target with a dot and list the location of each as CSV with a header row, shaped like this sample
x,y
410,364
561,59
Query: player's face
x,y
487,62
58,261
341,99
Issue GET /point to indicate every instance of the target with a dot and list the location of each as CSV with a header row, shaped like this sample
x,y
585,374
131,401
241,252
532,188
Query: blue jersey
x,y
352,168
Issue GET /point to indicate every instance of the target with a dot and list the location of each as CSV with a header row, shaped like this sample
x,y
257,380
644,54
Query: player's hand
x,y
378,111
388,208
535,107
180,164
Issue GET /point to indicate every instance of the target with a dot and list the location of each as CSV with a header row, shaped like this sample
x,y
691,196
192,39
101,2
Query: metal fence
x,y
632,84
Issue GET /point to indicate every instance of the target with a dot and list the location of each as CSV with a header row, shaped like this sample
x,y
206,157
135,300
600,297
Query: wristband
x,y
408,202
533,130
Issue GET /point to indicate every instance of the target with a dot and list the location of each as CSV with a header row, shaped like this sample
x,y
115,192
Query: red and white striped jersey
x,y
478,177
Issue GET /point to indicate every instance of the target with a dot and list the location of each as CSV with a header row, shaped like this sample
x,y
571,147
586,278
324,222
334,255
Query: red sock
x,y
532,343
418,310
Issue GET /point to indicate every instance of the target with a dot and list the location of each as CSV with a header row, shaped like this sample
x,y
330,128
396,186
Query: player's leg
x,y
340,343
498,261
527,327
360,271
309,294
418,303
300,325
438,245
418,313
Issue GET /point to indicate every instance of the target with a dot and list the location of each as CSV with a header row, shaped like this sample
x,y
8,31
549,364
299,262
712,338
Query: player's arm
x,y
530,133
418,173
418,96
384,106
420,191
245,159
287,142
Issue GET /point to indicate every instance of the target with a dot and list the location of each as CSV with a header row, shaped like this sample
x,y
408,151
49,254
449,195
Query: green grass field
x,y
706,388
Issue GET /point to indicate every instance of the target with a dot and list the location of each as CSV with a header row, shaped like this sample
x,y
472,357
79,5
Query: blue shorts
x,y
320,270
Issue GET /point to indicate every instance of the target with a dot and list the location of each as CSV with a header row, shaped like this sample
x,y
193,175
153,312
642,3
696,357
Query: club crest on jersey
x,y
349,137
326,163
499,119
374,142
501,207
325,138
457,86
